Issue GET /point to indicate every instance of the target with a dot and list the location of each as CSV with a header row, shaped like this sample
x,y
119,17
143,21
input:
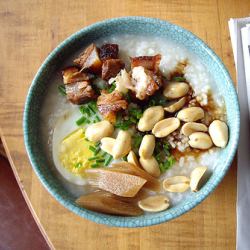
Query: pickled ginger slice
x,y
121,184
128,168
105,202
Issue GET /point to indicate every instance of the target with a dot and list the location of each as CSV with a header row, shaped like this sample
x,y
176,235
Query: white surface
x,y
245,33
243,176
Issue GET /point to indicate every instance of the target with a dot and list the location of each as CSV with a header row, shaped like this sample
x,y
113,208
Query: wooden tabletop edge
x,y
25,196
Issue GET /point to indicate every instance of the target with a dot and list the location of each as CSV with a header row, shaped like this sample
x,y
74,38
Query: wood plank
x,y
30,30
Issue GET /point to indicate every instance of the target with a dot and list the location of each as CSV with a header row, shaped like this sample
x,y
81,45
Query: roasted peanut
x,y
195,177
99,130
155,203
176,184
191,114
147,146
151,166
191,127
218,131
200,140
122,144
132,158
176,105
107,145
150,117
165,127
174,90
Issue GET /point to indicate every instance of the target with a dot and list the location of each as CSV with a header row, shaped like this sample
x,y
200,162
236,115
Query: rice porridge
x,y
149,103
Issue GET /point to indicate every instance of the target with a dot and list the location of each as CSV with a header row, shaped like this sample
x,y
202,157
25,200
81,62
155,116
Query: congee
x,y
133,124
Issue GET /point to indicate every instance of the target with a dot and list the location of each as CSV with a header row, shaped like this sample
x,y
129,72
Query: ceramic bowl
x,y
130,25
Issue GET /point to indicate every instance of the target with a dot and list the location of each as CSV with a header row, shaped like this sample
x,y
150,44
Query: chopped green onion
x,y
164,166
157,99
93,158
87,111
95,165
93,149
81,120
82,109
158,157
97,150
124,125
135,113
100,160
179,79
166,148
108,160
137,138
127,97
104,154
62,90
98,118
92,110
112,88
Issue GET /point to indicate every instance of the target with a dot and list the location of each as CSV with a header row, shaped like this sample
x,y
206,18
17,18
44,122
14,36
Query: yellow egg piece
x,y
74,152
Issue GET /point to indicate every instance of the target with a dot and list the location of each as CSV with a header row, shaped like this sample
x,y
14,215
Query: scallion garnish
x,y
167,164
127,97
62,90
163,156
104,154
100,160
81,120
157,99
108,160
93,158
124,125
112,88
93,149
95,165
179,79
92,110
97,150
134,114
136,141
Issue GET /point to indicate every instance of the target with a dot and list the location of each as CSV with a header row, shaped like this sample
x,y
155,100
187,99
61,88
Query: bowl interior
x,y
129,25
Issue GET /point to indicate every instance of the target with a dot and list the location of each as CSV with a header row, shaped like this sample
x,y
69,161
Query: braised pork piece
x,y
77,86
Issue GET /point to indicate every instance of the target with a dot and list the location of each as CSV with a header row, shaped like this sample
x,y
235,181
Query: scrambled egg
x,y
74,152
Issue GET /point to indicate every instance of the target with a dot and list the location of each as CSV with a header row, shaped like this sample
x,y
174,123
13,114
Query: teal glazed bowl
x,y
129,25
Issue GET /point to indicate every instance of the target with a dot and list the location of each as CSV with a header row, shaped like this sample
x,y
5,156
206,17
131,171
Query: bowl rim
x,y
119,221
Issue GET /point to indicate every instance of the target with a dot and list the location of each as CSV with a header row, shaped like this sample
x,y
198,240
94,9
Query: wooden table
x,y
29,31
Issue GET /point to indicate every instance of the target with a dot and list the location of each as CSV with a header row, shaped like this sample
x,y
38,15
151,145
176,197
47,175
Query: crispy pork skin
x,y
89,60
148,62
110,103
111,68
109,51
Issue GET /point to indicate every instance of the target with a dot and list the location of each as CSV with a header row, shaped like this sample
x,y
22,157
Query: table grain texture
x,y
30,30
